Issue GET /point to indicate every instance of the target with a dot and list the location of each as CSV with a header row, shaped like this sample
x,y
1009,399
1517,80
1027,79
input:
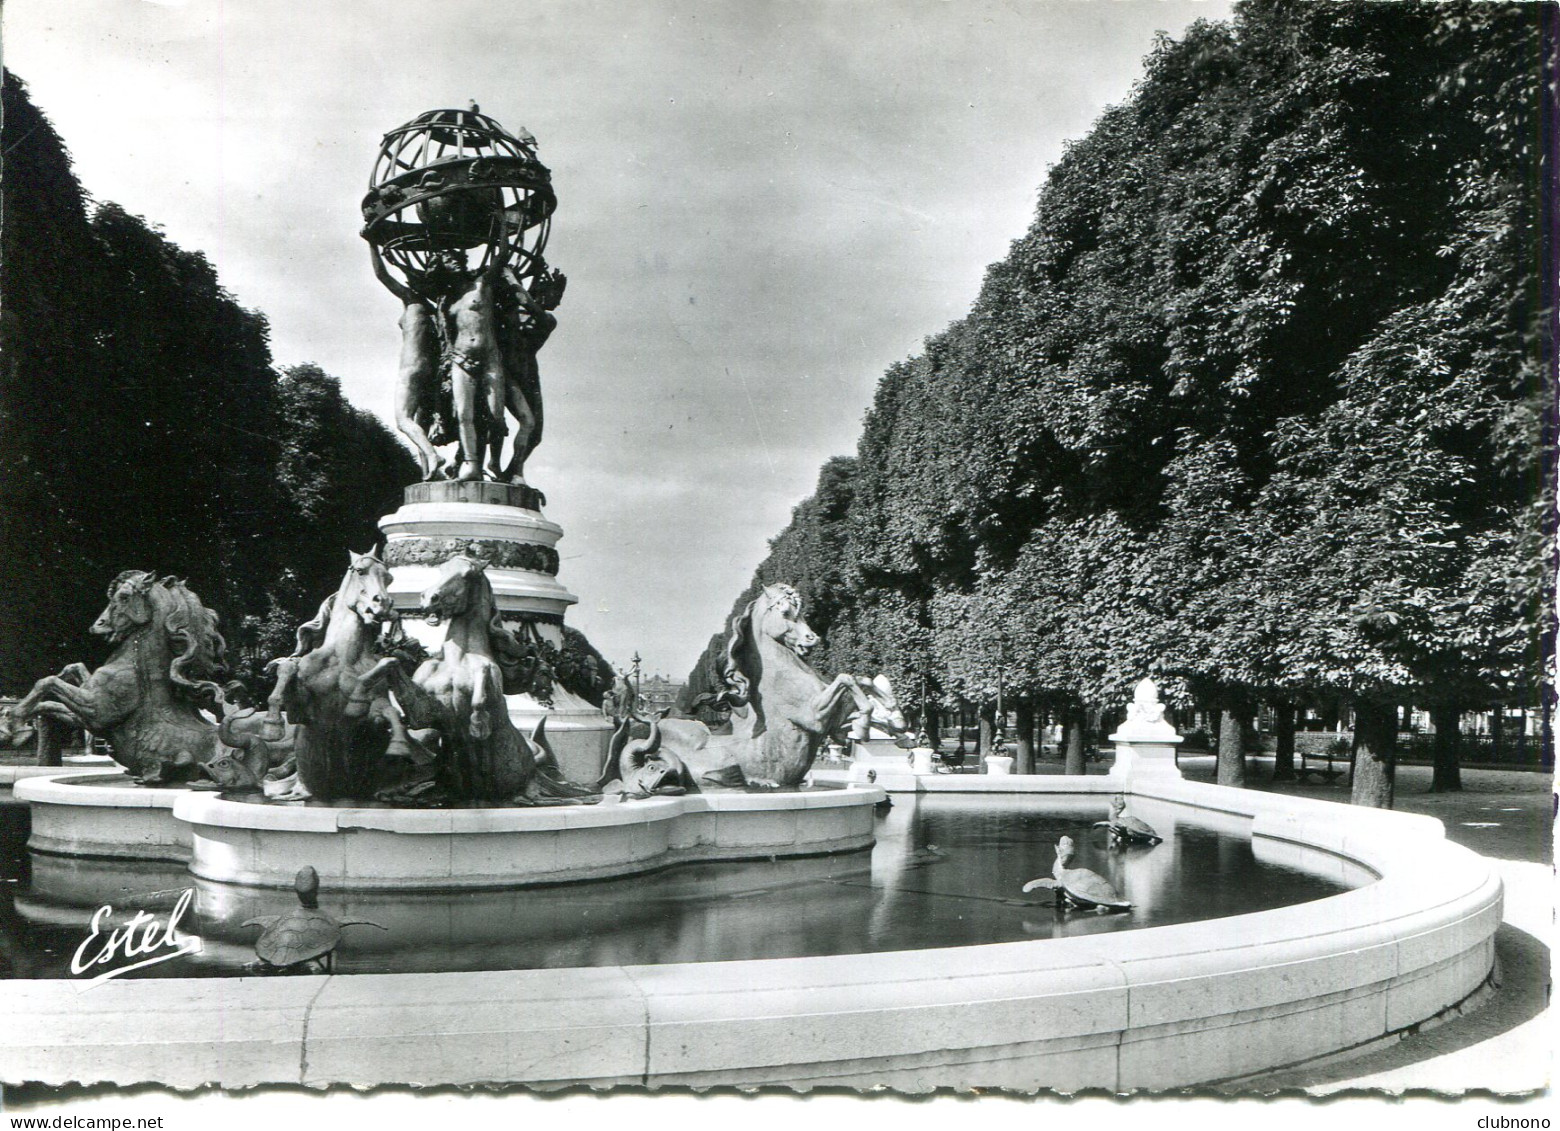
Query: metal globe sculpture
x,y
452,191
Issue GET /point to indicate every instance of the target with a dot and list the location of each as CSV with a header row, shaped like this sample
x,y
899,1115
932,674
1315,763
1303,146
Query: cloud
x,y
762,205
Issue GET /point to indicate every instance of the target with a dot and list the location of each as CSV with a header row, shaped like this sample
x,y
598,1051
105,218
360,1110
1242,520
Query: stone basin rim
x,y
209,809
1162,1007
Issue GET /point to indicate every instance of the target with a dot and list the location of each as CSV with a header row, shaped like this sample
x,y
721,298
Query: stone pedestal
x,y
1146,742
503,525
1139,756
500,523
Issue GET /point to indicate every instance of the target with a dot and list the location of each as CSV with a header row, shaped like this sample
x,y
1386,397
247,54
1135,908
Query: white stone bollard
x,y
998,764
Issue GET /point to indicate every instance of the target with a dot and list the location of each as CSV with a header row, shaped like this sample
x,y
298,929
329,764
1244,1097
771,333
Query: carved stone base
x,y
494,551
518,543
497,494
500,524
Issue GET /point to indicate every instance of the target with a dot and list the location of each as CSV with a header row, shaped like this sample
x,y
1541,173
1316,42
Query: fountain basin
x,y
1156,1008
11,774
452,849
98,814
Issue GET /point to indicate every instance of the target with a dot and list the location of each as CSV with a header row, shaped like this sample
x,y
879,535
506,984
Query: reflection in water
x,y
946,872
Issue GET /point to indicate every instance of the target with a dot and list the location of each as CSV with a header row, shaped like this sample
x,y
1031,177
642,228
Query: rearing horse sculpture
x,y
460,692
783,710
146,698
322,687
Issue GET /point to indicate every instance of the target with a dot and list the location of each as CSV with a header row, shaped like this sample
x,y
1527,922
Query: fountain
x,y
435,713
446,776
457,218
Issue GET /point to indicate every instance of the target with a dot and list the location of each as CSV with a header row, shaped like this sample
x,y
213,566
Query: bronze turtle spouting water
x,y
303,935
1079,887
1124,828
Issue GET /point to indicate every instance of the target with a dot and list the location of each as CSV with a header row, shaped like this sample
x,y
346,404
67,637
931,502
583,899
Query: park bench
x,y
1322,774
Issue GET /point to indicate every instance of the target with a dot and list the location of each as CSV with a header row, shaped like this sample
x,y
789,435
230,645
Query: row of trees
x,y
1262,402
142,425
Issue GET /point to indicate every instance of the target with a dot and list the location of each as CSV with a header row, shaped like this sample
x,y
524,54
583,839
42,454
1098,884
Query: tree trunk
x,y
1284,742
1232,750
1546,725
1497,731
50,740
1375,759
1447,776
930,720
988,721
1074,727
1024,753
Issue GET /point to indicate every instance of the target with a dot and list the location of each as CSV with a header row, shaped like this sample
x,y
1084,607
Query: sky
x,y
761,206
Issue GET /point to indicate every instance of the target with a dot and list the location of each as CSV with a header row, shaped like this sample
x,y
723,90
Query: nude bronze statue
x,y
484,329
457,216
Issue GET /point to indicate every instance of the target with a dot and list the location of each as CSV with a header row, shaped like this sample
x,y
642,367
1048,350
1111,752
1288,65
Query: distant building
x,y
658,693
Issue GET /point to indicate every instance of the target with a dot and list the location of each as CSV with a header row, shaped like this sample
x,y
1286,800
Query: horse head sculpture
x,y
450,595
365,588
461,590
777,614
771,620
129,606
782,709
163,637
364,593
882,714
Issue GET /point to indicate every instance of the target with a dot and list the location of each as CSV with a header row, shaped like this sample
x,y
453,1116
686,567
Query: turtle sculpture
x,y
1125,828
1079,887
304,935
638,767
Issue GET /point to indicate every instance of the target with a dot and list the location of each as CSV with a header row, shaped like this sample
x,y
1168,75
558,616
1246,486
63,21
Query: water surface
x,y
946,872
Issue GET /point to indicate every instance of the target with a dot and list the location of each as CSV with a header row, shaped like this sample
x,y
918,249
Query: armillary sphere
x,y
452,191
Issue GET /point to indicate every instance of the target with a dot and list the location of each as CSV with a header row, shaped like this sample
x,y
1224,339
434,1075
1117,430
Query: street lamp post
x,y
922,728
636,677
1001,663
997,737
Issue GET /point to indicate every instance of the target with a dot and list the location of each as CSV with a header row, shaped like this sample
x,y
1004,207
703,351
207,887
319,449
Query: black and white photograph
x,y
735,561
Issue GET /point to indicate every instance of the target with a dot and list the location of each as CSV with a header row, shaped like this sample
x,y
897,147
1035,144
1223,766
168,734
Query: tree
x,y
53,573
1261,403
141,425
